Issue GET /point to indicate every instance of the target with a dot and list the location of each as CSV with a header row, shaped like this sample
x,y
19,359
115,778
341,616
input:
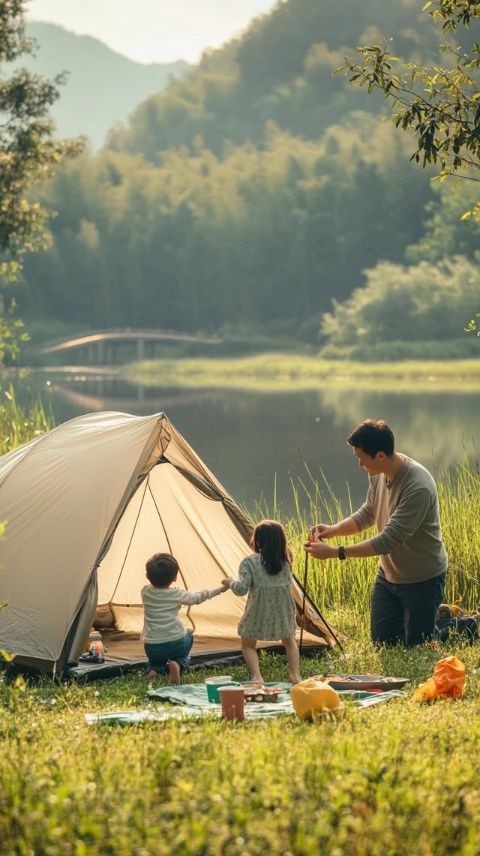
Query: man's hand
x,y
321,530
319,550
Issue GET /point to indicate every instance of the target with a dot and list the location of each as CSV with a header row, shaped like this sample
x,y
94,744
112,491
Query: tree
x,y
440,104
28,154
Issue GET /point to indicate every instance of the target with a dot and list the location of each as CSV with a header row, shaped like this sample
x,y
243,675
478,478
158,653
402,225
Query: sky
x,y
152,30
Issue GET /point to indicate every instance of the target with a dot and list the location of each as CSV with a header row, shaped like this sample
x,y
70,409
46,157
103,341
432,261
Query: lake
x,y
254,440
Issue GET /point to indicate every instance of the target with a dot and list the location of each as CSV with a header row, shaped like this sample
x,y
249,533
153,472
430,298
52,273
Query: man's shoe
x,y
173,672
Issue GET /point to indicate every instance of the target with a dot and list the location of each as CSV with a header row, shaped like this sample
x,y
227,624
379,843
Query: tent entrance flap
x,y
171,515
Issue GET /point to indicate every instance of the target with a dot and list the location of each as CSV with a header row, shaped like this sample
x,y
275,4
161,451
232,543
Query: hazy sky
x,y
152,30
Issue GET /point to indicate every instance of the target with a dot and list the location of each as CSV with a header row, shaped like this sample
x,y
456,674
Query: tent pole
x,y
327,625
305,573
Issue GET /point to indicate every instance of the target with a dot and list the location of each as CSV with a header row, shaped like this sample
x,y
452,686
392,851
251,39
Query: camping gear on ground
x,y
183,710
96,649
363,682
214,684
312,697
194,701
86,505
451,618
448,681
96,646
259,693
232,700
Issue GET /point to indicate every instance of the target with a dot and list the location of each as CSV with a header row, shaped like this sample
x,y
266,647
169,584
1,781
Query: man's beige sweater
x,y
407,517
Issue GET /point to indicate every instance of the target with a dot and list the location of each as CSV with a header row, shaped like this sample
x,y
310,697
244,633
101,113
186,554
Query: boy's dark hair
x,y
373,435
162,570
269,540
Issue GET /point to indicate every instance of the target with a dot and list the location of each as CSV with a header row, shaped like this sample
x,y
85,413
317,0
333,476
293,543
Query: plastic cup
x,y
213,685
233,702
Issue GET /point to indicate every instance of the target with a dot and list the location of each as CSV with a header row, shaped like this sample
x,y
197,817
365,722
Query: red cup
x,y
233,703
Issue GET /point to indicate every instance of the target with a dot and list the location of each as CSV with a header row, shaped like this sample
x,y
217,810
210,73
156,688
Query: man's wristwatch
x,y
341,553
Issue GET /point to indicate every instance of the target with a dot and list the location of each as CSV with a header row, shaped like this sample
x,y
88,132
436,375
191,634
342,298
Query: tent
x,y
85,506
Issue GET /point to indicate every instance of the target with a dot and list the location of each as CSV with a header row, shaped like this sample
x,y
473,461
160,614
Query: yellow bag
x,y
310,697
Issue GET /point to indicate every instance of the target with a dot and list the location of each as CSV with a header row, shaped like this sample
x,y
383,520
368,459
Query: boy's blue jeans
x,y
159,653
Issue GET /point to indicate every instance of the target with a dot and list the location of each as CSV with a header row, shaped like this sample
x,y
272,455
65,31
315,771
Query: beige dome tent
x,y
85,505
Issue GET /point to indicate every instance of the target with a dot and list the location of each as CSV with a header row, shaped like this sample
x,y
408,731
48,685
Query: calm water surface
x,y
253,441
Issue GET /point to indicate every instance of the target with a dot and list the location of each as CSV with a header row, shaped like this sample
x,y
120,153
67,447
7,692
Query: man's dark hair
x,y
162,570
373,435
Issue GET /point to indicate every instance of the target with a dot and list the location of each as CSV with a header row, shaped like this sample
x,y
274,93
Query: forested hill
x,y
102,87
279,71
262,198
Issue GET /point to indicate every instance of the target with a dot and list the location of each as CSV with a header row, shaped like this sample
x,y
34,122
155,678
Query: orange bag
x,y
448,681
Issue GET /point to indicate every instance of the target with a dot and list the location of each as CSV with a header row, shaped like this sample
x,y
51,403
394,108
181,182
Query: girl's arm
x,y
245,580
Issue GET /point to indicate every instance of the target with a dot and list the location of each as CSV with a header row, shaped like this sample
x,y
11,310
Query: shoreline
x,y
282,372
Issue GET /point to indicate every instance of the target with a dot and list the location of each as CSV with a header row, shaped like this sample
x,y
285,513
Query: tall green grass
x,y
21,421
348,584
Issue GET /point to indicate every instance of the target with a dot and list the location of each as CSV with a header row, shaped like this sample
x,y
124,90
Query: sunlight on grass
x,y
372,782
275,372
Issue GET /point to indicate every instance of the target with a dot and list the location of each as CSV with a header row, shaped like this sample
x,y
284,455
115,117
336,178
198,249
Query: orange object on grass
x,y
448,681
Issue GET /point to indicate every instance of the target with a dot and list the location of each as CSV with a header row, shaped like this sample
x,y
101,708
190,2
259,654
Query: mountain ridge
x,y
103,87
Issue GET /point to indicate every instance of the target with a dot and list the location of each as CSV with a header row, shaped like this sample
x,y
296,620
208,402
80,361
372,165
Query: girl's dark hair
x,y
269,540
162,570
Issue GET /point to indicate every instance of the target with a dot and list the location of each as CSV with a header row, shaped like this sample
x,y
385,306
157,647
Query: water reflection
x,y
251,439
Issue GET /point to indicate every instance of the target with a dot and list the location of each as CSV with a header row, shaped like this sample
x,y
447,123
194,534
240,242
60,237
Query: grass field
x,y
282,371
394,780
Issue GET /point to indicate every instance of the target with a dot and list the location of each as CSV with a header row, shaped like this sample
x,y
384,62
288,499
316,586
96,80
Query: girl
x,y
270,610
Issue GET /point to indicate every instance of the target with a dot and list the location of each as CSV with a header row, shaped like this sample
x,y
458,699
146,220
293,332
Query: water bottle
x,y
96,648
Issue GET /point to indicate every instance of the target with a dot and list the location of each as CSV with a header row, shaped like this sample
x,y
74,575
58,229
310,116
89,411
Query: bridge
x,y
102,346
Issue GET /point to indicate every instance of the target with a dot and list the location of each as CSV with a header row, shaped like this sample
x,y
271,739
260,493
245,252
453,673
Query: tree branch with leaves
x,y
438,104
28,152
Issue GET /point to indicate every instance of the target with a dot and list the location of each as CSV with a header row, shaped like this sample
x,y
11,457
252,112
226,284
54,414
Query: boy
x,y
166,641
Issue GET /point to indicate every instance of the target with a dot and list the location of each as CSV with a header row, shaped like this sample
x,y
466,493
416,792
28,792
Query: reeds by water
x,y
21,421
335,585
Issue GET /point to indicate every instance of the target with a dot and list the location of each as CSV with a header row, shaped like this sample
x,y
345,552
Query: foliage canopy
x,y
27,154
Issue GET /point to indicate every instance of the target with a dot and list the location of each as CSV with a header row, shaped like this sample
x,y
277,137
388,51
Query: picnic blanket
x,y
190,700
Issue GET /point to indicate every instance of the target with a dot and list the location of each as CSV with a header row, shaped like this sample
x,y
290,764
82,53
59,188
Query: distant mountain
x,y
279,72
103,87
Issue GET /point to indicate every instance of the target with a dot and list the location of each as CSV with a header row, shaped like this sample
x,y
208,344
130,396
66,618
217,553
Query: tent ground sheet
x,y
124,652
190,700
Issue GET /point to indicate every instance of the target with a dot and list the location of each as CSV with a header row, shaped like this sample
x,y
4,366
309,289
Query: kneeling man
x,y
402,501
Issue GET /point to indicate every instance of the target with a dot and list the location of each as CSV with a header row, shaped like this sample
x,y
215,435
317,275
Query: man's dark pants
x,y
405,613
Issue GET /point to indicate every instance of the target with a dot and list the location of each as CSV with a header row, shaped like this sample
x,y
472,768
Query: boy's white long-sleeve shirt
x,y
161,607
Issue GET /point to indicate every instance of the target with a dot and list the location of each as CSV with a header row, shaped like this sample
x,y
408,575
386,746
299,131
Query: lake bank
x,y
277,372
